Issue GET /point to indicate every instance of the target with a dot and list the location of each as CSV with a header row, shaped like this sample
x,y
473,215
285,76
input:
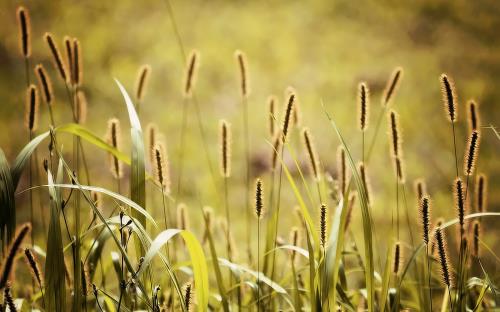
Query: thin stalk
x,y
258,264
181,147
246,143
429,273
455,147
228,221
375,135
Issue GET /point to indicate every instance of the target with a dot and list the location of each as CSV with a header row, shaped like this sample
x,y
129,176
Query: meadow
x,y
161,160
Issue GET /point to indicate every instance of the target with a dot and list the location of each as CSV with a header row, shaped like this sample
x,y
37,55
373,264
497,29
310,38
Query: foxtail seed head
x,y
474,120
449,97
225,144
23,18
341,169
31,112
182,217
460,205
161,166
56,56
142,82
76,67
395,133
259,201
442,250
425,217
33,265
288,115
9,300
397,258
481,193
476,231
420,188
363,105
322,225
392,85
45,84
191,73
113,138
8,263
272,103
471,152
311,151
242,64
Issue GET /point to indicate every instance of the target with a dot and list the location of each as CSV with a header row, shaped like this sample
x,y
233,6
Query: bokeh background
x,y
321,48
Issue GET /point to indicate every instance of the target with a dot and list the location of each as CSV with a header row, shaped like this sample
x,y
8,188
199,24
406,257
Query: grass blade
x,y
7,201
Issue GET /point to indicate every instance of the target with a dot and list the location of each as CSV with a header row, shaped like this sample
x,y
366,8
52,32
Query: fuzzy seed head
x,y
425,217
460,204
311,151
31,112
59,64
188,297
142,82
363,105
296,113
23,19
449,97
113,137
161,168
322,225
392,85
259,201
476,231
397,258
474,120
8,262
243,67
471,152
191,73
342,169
32,263
9,300
395,134
225,144
365,180
152,136
182,217
442,250
76,67
420,188
45,84
288,115
481,192
400,173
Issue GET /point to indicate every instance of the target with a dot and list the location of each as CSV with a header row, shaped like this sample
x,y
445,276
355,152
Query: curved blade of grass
x,y
7,202
387,276
55,293
24,156
365,212
137,170
198,261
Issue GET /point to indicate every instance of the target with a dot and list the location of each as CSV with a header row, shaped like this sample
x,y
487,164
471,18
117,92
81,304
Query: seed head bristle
x,y
142,82
322,225
182,217
56,56
152,137
272,102
288,114
395,134
348,218
76,67
31,113
81,107
365,180
32,263
114,139
225,143
471,152
8,262
420,188
191,73
476,231
188,297
45,84
311,151
161,169
474,119
342,169
276,149
68,45
442,250
259,201
295,240
23,18
397,258
243,67
363,105
449,97
392,85
9,300
425,217
481,193
460,204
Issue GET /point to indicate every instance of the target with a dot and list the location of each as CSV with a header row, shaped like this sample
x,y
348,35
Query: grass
x,y
116,255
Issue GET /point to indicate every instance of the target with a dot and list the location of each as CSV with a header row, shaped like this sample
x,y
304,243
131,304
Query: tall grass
x,y
123,260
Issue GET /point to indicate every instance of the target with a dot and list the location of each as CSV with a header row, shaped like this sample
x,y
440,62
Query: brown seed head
x,y
288,114
31,112
420,188
481,193
56,56
142,82
342,169
272,103
76,68
471,152
45,84
8,262
363,105
311,151
23,19
397,258
225,143
242,64
114,139
161,169
33,265
425,217
191,73
259,201
474,120
460,204
322,225
395,134
449,97
442,250
392,85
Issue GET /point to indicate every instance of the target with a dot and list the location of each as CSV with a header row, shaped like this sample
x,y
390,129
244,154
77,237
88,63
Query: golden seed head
x,y
398,258
342,169
363,105
471,152
449,97
259,201
23,18
243,67
113,138
474,119
311,151
161,168
59,64
225,144
182,217
45,84
288,115
191,73
31,112
392,85
142,82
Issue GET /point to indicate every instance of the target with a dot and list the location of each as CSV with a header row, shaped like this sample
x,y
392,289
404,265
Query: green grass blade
x,y
367,226
7,202
23,157
386,278
198,261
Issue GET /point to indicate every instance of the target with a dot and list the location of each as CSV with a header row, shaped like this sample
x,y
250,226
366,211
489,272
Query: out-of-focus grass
x,y
323,49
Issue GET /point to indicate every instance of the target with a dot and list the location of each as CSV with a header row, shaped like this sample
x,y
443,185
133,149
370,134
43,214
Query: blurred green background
x,y
321,48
